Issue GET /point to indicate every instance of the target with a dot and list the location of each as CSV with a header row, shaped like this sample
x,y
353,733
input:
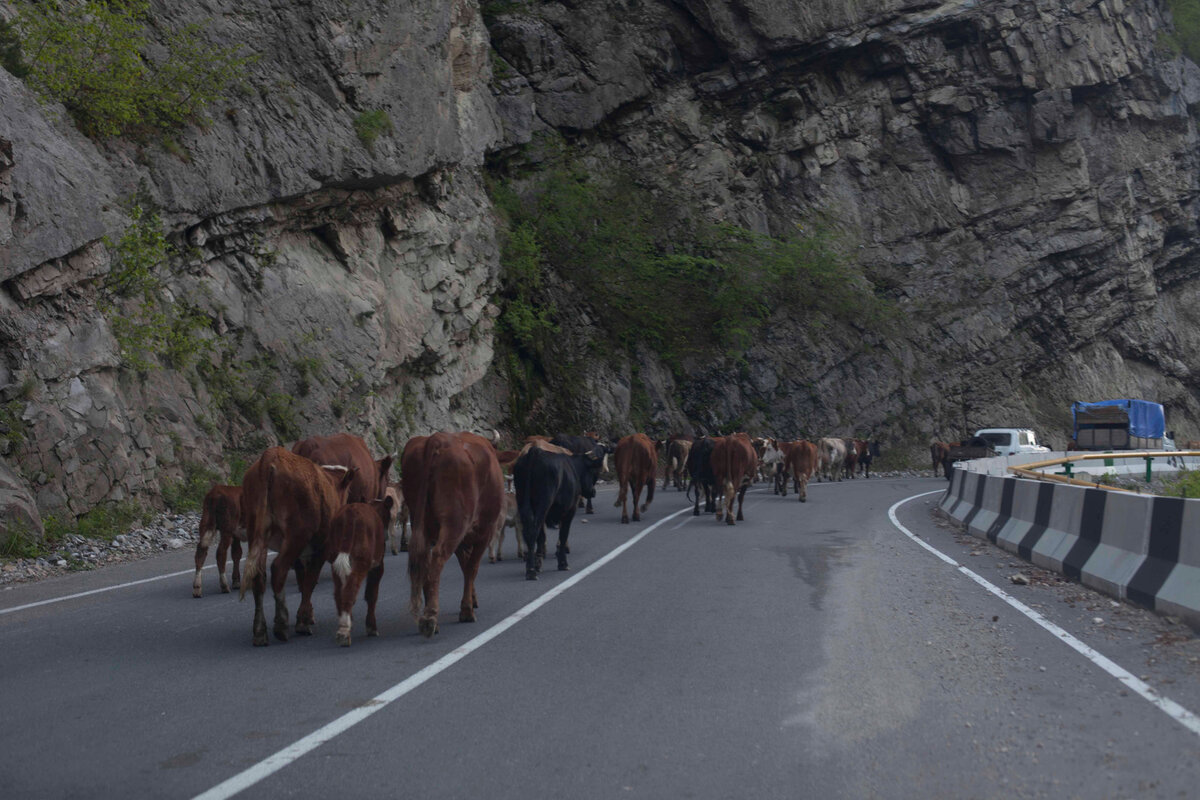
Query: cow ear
x,y
389,503
385,467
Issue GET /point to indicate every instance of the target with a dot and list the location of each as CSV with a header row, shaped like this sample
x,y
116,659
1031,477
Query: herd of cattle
x,y
328,499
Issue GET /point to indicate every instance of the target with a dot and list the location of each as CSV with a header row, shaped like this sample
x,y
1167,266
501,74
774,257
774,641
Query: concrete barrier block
x,y
1062,530
1024,512
1124,537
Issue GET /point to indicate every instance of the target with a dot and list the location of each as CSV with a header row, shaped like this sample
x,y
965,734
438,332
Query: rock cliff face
x,y
1019,178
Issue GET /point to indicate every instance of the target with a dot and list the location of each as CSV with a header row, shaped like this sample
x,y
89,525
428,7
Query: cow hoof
x,y
563,566
740,517
531,575
281,634
237,583
196,591
803,500
343,639
303,629
729,520
261,640
466,616
590,511
491,560
636,517
624,519
372,631
428,627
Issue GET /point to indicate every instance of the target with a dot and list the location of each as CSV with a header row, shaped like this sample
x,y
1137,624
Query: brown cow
x,y
454,490
938,452
220,518
355,549
801,461
850,462
734,465
287,505
637,466
675,454
351,452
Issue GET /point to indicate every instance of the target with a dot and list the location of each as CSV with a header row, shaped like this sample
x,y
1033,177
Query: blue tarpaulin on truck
x,y
1146,419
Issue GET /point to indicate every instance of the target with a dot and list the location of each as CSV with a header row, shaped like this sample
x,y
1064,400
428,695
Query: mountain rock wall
x,y
1018,178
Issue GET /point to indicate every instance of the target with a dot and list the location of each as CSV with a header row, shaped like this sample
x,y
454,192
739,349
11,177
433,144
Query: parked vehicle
x,y
1011,441
1119,425
975,447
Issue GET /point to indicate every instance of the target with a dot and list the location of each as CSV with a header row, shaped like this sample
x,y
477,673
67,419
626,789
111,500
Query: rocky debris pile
x,y
168,531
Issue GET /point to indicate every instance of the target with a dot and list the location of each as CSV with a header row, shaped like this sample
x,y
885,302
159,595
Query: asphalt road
x,y
814,650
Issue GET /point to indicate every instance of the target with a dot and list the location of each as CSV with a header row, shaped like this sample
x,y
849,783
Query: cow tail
x,y
341,566
256,556
208,523
650,490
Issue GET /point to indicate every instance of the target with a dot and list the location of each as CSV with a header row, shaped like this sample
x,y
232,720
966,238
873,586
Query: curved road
x,y
814,650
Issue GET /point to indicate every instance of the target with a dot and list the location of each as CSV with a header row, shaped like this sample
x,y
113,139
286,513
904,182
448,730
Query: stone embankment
x,y
74,553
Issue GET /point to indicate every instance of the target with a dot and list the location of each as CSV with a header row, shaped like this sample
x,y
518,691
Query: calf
x,y
220,518
454,490
355,549
637,466
287,505
699,467
734,465
548,488
509,519
399,543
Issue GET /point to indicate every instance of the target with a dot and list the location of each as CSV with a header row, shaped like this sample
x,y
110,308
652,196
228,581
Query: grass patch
x,y
187,493
1185,38
1186,485
370,125
104,522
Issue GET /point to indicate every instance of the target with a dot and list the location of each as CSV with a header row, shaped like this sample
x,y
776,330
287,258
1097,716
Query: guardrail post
x,y
1148,460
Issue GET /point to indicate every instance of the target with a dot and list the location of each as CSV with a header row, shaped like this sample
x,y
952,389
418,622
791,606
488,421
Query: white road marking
x,y
272,764
1169,707
191,571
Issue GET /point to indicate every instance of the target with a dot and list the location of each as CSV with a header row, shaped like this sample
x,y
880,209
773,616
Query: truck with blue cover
x,y
1118,425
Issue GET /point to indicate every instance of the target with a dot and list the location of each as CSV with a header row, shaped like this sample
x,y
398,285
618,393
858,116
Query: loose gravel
x,y
76,553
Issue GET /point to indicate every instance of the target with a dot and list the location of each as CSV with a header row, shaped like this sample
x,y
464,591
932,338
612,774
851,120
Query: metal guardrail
x,y
1028,470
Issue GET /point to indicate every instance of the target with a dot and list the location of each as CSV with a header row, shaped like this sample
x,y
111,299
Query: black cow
x,y
548,488
699,467
865,459
583,445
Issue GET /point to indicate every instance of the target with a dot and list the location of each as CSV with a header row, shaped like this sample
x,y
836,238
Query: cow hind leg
x,y
372,596
237,564
222,558
260,619
470,568
201,557
278,582
637,497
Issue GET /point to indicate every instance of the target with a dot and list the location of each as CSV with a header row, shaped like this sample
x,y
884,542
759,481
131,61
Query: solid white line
x,y
191,571
1169,707
274,763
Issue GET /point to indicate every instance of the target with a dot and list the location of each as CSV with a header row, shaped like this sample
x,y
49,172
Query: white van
x,y
1010,441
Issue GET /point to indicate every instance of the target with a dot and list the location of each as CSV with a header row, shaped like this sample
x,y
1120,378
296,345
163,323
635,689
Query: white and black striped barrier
x,y
1140,548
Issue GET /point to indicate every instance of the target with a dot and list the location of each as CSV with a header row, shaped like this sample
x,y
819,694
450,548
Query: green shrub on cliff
x,y
97,58
1186,36
682,287
145,324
